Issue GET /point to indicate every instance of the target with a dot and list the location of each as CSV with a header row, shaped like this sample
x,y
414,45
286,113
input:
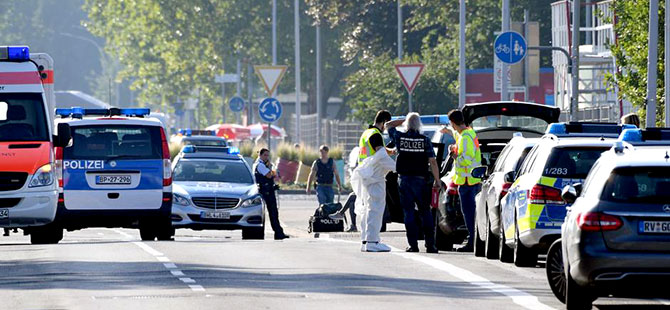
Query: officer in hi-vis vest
x,y
467,157
415,152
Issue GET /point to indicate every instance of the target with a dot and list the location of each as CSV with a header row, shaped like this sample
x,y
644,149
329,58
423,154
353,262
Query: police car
x,y
198,138
532,211
214,189
616,237
116,173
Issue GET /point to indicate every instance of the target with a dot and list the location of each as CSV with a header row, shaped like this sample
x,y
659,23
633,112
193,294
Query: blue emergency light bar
x,y
649,136
195,132
14,53
437,119
232,150
78,112
587,129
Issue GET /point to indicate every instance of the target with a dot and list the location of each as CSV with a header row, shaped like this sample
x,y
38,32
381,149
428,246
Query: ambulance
x,y
28,191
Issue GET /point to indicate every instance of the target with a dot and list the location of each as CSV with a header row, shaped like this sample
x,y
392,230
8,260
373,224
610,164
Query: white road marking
x,y
519,297
187,280
162,259
147,249
170,265
197,288
176,273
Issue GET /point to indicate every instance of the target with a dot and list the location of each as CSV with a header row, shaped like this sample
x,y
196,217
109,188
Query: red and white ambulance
x,y
28,189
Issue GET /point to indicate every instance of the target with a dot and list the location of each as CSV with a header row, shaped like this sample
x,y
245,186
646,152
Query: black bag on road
x,y
321,222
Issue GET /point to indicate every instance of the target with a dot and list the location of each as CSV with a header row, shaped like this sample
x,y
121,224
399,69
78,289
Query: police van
x,y
28,192
117,173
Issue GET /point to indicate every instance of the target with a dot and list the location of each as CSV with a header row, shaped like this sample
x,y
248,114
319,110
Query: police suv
x,y
117,173
532,211
616,237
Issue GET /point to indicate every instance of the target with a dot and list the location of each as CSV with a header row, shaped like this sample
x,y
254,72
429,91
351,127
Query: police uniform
x,y
468,157
266,187
414,151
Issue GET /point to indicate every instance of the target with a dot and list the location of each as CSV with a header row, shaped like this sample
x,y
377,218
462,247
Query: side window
x,y
527,163
500,163
589,179
521,158
542,159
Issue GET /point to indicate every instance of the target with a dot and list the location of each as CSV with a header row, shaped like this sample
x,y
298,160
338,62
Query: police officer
x,y
266,186
415,152
467,157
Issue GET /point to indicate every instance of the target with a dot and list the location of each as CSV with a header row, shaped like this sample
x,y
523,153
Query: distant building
x,y
479,87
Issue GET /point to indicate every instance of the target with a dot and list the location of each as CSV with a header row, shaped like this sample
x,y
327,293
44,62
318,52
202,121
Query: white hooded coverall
x,y
368,181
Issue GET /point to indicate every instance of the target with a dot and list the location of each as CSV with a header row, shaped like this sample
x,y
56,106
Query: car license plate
x,y
112,179
655,227
4,213
215,215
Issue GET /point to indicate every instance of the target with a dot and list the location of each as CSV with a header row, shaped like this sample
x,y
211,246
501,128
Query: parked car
x,y
494,188
495,124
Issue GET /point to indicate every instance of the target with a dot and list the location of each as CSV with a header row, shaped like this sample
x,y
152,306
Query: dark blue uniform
x,y
414,150
266,187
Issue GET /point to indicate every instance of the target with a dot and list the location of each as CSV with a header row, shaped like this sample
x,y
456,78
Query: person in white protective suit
x,y
368,181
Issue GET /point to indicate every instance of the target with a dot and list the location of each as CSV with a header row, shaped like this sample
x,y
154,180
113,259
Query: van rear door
x,y
113,167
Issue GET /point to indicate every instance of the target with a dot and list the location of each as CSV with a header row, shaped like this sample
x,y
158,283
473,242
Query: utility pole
x,y
296,13
239,86
400,31
318,82
667,63
461,55
504,96
250,106
526,62
274,60
574,102
652,63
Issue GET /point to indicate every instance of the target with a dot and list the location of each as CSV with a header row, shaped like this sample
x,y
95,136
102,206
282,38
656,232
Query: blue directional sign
x,y
236,104
510,47
270,110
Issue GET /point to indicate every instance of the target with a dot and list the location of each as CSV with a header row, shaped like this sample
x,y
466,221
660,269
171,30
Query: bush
x,y
175,148
307,155
336,153
287,151
247,149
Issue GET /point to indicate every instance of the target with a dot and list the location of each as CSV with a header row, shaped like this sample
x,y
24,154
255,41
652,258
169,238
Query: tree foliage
x,y
631,54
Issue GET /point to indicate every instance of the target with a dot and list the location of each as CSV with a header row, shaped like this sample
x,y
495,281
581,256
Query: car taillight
x,y
541,194
58,166
452,189
167,164
505,189
595,221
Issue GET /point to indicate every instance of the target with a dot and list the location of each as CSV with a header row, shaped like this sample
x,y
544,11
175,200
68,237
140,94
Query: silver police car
x,y
213,188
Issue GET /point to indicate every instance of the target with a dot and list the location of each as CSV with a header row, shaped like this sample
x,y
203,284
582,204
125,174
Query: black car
x,y
495,124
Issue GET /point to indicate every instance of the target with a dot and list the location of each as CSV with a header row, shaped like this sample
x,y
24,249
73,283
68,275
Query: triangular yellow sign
x,y
270,76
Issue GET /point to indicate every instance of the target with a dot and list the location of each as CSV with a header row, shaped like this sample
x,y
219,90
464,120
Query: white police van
x,y
117,173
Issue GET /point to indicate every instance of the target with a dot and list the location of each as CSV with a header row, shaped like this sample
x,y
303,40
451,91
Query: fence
x,y
333,132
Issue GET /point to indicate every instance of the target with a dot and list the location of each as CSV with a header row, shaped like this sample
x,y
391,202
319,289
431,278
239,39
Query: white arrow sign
x,y
409,74
270,76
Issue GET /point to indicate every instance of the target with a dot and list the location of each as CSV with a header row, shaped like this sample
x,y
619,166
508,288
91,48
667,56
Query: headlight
x,y
42,177
180,200
253,201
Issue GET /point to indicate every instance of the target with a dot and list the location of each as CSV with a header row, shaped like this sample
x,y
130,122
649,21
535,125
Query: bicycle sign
x,y
510,47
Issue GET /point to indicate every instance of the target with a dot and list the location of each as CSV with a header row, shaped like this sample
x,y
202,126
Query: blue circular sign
x,y
510,47
236,104
270,110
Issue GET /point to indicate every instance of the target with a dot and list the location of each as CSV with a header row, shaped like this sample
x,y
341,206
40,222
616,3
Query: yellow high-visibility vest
x,y
469,157
364,147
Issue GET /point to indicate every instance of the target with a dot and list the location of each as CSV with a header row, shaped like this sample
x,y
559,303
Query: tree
x,y
631,54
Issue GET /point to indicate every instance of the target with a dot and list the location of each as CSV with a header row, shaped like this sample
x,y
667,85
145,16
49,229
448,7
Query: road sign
x,y
409,74
270,76
236,104
497,78
270,110
510,47
226,78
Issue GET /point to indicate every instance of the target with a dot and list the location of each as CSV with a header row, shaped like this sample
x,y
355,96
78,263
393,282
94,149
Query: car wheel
x,y
555,270
576,297
443,242
523,256
253,233
505,253
147,231
479,243
491,242
47,234
165,231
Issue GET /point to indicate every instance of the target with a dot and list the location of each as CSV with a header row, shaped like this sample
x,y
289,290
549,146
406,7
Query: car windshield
x,y
203,142
109,142
225,171
498,121
638,184
572,162
22,117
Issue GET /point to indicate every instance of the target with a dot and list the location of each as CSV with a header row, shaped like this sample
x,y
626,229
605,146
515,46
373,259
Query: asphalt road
x,y
113,269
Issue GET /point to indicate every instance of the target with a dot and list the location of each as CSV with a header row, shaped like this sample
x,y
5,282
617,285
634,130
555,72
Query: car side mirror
x,y
569,194
64,135
509,177
479,172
